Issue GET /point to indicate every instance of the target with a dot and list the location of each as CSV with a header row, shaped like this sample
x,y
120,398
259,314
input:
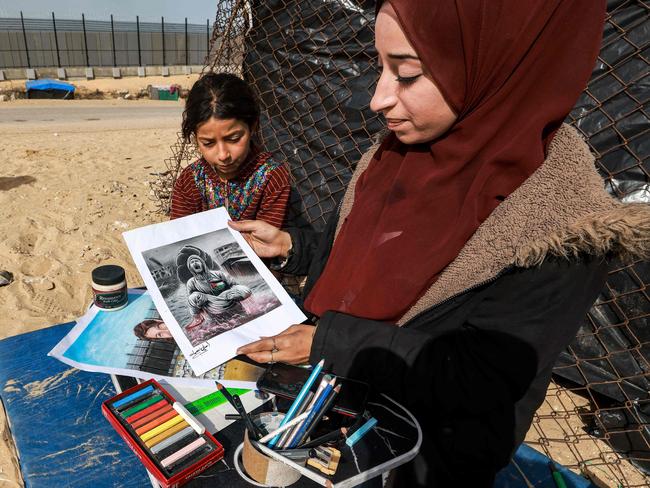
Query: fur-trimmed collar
x,y
561,210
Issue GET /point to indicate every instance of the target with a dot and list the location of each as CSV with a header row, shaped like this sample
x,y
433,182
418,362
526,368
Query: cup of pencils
x,y
259,466
293,437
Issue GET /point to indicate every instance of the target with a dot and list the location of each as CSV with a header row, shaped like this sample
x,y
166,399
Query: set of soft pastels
x,y
154,425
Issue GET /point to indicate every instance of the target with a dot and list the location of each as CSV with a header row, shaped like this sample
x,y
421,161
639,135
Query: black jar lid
x,y
109,274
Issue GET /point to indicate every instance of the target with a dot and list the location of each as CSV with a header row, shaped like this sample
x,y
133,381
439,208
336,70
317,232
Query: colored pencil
x,y
317,406
288,436
305,406
319,415
298,401
286,440
286,426
330,436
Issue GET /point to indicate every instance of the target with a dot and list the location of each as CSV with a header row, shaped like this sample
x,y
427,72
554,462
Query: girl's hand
x,y
267,241
291,346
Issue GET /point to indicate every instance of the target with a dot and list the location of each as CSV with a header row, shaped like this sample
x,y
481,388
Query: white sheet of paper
x,y
209,286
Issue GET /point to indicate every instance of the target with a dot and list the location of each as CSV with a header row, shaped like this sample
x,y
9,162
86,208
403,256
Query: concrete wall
x,y
41,44
101,72
42,49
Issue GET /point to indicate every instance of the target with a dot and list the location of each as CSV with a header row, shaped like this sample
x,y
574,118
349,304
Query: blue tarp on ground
x,y
49,84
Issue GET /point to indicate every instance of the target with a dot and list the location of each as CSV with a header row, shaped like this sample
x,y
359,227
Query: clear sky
x,y
196,11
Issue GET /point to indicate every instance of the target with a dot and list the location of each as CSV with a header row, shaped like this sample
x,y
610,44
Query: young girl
x,y
222,115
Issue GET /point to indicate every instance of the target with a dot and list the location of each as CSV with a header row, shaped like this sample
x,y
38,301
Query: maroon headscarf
x,y
512,70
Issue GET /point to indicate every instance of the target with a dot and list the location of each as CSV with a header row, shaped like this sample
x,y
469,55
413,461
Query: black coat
x,y
473,356
473,369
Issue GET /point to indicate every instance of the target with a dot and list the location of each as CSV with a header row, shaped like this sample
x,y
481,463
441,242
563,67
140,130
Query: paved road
x,y
88,115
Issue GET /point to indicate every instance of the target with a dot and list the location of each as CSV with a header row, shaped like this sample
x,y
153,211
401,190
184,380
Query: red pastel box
x,y
170,442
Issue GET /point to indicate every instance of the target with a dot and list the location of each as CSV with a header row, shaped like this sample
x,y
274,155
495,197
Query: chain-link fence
x,y
312,62
53,42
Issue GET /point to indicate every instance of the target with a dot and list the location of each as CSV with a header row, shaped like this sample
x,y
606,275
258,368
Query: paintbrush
x,y
237,405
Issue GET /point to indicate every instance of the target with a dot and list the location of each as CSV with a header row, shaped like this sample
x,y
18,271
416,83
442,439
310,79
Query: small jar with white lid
x,y
109,287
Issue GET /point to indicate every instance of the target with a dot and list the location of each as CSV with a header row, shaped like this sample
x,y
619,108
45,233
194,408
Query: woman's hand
x,y
267,241
291,346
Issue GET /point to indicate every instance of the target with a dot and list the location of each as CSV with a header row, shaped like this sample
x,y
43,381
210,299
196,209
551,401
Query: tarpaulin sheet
x,y
49,84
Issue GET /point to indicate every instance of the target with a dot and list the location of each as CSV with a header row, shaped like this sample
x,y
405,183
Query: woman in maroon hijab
x,y
472,241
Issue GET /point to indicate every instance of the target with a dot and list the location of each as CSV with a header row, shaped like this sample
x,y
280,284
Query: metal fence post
x,y
113,42
83,25
137,26
162,25
22,21
56,43
187,61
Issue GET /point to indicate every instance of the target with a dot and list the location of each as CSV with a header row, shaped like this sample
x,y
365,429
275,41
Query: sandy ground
x,y
132,84
68,189
70,186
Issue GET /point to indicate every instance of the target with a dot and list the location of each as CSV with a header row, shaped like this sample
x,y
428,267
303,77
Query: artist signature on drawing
x,y
199,351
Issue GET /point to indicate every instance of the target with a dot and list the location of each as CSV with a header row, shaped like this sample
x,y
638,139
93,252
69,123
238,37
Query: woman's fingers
x,y
288,330
292,346
262,357
257,346
244,225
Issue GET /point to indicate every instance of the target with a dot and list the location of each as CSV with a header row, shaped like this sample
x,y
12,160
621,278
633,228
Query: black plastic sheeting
x,y
312,62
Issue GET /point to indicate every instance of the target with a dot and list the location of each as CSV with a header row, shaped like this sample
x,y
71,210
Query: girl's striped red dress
x,y
260,190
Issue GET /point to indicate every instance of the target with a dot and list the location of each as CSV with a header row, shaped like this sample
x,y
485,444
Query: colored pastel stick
x,y
150,409
172,448
189,418
192,446
190,459
166,407
298,401
168,433
360,432
178,436
142,405
133,396
162,427
156,422
322,398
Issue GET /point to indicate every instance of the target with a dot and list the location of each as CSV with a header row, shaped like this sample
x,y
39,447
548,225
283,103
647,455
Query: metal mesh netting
x,y
312,62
